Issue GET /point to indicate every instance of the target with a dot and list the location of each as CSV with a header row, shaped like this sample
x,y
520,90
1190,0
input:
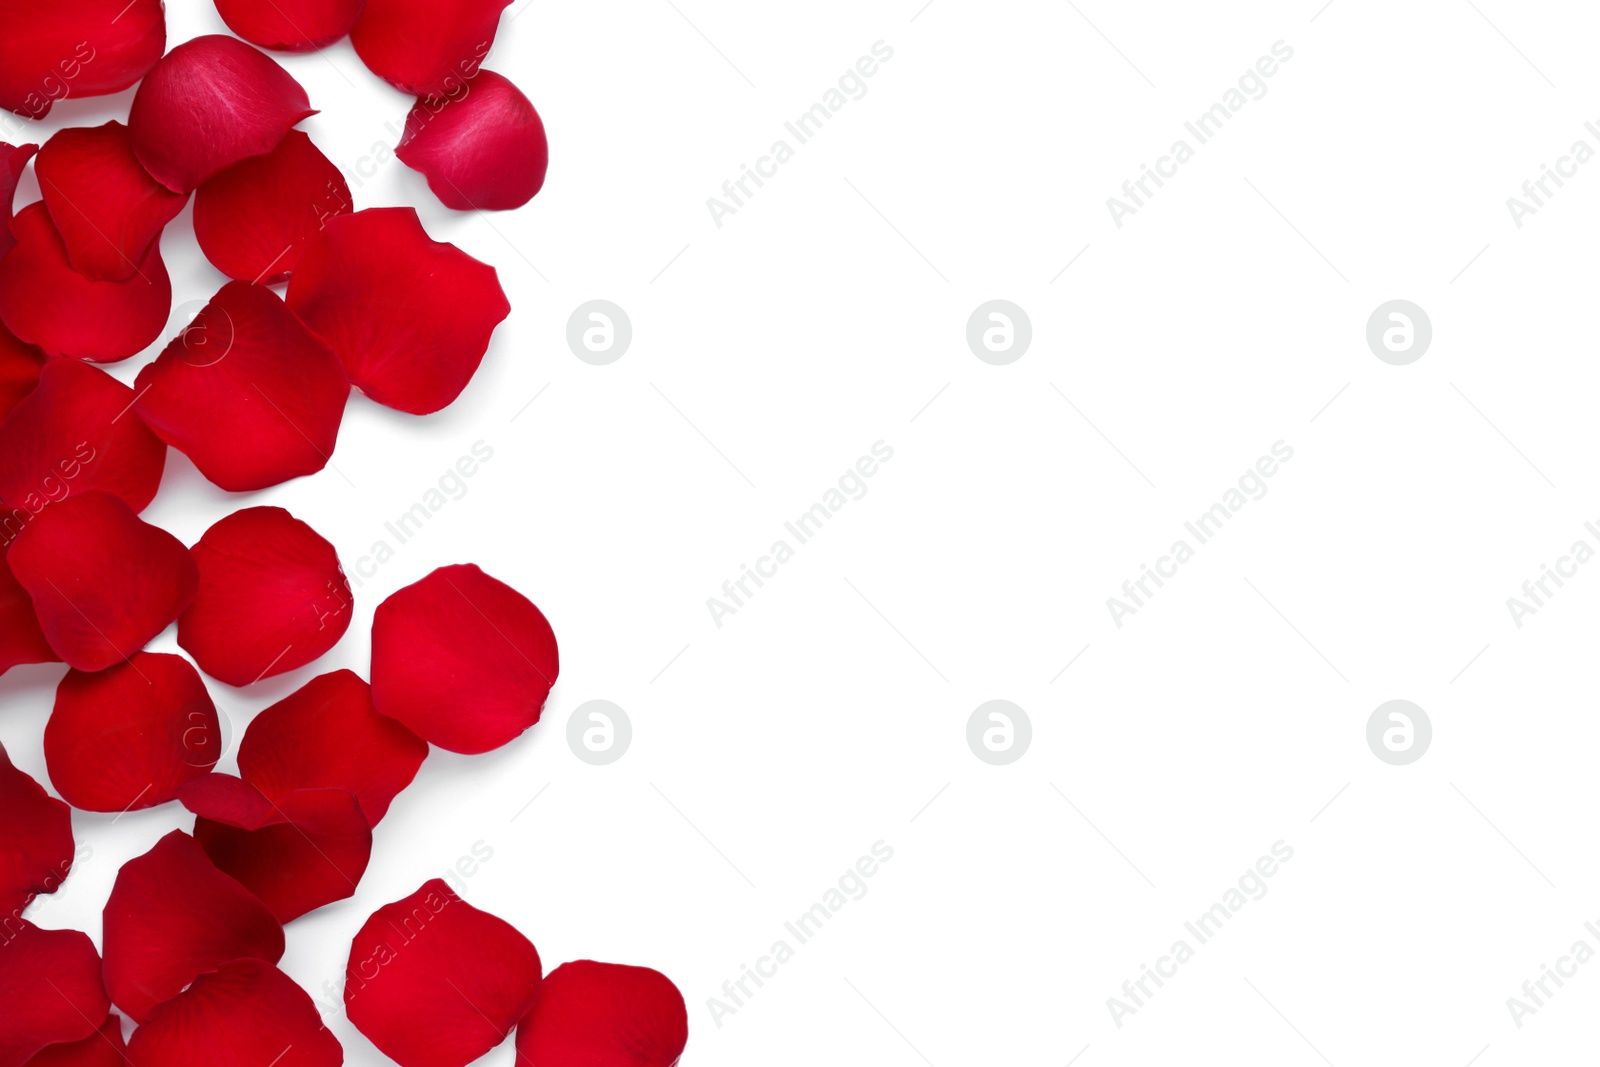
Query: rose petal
x,y
129,736
426,47
482,149
290,25
209,103
410,317
47,303
21,639
103,582
271,597
76,432
20,365
50,986
103,1048
462,659
36,848
13,158
434,982
305,849
246,392
254,220
246,1012
604,1015
327,735
75,48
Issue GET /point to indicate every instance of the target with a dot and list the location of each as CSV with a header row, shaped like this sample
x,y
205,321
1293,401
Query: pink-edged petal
x,y
103,1048
36,849
75,48
426,47
482,149
290,25
245,1013
604,1015
50,988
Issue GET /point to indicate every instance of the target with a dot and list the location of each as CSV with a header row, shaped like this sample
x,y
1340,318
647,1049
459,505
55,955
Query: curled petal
x,y
246,392
173,916
326,734
426,47
50,986
271,597
290,25
45,302
36,848
244,1012
254,220
75,48
410,317
481,149
604,1015
20,365
209,103
12,159
103,582
434,982
103,1048
464,660
128,737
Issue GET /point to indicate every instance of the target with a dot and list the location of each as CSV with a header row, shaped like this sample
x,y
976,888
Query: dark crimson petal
x,y
12,159
36,848
75,48
21,639
47,303
244,1014
173,916
246,392
290,25
482,149
103,1048
434,982
272,597
128,737
209,103
305,849
326,734
426,47
20,365
77,432
106,208
254,220
50,986
410,317
604,1015
103,582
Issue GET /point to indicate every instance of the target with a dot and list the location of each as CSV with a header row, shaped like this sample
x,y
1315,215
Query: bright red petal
x,y
209,103
36,848
327,735
482,149
246,1013
254,220
50,986
246,392
129,736
462,659
21,639
103,1048
290,25
604,1015
20,365
103,582
434,982
410,317
77,432
426,47
47,303
13,158
75,48
271,598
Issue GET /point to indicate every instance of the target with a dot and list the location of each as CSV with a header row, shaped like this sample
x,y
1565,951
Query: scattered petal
x,y
76,48
36,848
20,365
482,149
290,25
13,158
103,1048
244,1012
50,986
426,47
592,1014
21,639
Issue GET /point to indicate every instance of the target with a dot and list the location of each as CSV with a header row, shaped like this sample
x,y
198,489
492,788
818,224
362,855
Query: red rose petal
x,y
246,392
75,48
45,302
254,220
76,432
209,103
305,849
464,660
107,210
103,1048
36,848
128,737
246,1013
103,582
326,734
410,317
50,986
290,25
13,158
20,365
173,916
426,47
434,982
482,149
21,639
604,1015
271,597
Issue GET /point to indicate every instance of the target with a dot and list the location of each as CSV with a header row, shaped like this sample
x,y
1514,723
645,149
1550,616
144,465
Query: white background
x,y
830,712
